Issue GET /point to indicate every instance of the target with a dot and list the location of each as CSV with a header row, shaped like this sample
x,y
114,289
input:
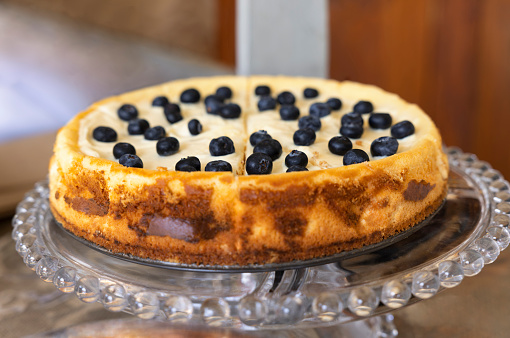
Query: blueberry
x,y
190,95
123,148
334,103
262,90
154,133
104,134
127,112
363,107
258,136
289,112
213,97
296,158
354,156
304,137
230,111
189,161
384,146
402,129
160,101
380,120
213,104
310,121
339,145
195,127
130,160
218,165
187,168
310,93
167,146
271,147
138,126
221,146
266,103
352,119
320,109
296,168
351,131
259,164
286,98
224,92
172,113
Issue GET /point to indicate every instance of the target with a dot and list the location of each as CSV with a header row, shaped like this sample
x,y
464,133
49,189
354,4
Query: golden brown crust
x,y
225,219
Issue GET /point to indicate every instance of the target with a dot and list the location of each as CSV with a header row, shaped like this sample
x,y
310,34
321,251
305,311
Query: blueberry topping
x,y
213,97
154,133
310,121
218,165
262,90
271,147
352,119
190,96
334,103
160,101
195,127
380,120
351,131
104,134
224,92
339,145
320,109
363,107
310,93
130,160
167,146
296,168
258,136
186,167
289,112
213,104
296,158
259,164
221,146
402,129
123,148
138,126
127,112
352,125
266,103
384,146
189,161
286,98
172,113
304,137
230,111
355,156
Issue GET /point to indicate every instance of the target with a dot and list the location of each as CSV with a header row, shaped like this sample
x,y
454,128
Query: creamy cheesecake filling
x,y
251,120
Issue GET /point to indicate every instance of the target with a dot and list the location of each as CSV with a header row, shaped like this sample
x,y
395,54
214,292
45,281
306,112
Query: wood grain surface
x,y
450,57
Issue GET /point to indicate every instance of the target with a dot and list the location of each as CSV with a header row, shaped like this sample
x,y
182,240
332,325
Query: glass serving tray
x,y
468,232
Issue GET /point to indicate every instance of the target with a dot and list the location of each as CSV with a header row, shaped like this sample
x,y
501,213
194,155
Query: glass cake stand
x,y
467,232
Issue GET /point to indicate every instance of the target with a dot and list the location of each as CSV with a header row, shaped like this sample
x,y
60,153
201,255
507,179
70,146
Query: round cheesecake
x,y
246,170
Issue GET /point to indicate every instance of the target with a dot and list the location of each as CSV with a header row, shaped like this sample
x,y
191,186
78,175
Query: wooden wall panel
x,y
491,134
226,38
450,57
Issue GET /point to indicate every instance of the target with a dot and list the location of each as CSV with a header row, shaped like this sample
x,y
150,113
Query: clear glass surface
x,y
467,232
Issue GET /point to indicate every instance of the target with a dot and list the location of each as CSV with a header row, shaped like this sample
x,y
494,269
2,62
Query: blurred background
x,y
450,57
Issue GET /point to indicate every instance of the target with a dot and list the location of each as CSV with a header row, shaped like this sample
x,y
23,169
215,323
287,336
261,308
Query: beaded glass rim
x,y
271,299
